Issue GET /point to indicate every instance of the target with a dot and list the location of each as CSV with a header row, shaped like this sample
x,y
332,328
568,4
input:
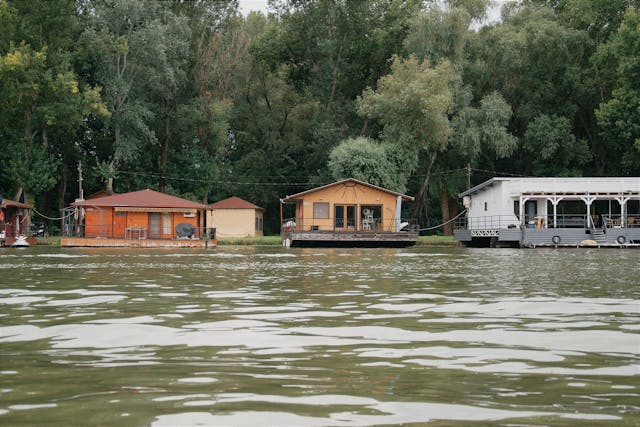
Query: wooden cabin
x,y
235,217
139,218
14,222
559,211
347,213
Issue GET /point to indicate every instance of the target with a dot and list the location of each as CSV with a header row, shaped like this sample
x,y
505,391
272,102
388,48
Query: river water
x,y
319,337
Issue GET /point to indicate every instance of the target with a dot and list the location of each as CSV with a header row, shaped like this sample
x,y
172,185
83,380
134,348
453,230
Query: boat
x,y
20,242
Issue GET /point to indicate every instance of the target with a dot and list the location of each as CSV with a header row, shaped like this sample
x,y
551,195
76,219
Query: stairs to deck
x,y
598,235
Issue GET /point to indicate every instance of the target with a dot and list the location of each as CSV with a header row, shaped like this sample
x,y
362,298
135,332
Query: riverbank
x,y
276,241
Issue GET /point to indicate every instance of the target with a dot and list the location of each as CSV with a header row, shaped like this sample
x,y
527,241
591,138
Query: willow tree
x,y
413,103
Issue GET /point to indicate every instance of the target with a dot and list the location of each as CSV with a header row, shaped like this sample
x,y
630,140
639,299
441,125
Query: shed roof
x,y
142,199
346,181
234,203
7,203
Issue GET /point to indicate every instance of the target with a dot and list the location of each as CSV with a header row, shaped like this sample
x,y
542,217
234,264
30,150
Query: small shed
x,y
13,221
235,217
145,214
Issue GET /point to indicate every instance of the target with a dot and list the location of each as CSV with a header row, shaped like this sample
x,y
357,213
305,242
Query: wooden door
x,y
119,224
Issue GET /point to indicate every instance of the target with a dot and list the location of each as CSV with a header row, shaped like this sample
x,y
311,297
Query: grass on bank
x,y
276,241
436,241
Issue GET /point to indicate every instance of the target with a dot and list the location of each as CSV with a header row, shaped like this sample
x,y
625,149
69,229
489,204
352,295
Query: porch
x,y
136,237
356,234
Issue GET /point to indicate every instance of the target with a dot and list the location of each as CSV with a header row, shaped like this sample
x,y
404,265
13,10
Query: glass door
x,y
344,217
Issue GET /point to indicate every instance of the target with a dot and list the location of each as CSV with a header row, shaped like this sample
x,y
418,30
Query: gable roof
x,y
234,203
344,181
142,199
6,203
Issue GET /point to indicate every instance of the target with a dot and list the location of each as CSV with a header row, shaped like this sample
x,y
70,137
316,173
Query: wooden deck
x,y
135,243
349,239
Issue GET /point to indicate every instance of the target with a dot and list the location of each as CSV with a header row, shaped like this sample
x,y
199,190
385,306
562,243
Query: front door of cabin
x,y
344,217
119,224
154,225
530,210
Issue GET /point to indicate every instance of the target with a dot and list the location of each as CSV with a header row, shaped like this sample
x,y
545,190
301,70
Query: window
x,y
485,206
258,224
321,210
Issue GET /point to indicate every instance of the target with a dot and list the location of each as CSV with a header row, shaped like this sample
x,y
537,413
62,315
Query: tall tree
x,y
619,117
413,103
128,41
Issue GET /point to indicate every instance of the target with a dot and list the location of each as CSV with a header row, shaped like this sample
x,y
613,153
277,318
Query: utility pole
x,y
80,192
468,176
79,212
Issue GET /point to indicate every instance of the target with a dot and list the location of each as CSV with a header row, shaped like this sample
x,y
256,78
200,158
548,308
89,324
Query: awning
x,y
181,210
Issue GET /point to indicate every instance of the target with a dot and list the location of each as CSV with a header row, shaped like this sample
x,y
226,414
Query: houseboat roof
x,y
564,185
346,182
6,203
142,199
234,203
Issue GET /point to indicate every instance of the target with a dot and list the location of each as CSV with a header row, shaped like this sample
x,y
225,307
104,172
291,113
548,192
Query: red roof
x,y
233,203
6,203
142,199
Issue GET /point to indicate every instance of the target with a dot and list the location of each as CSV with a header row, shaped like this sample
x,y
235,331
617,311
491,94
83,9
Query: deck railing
x,y
136,233
363,226
495,222
491,222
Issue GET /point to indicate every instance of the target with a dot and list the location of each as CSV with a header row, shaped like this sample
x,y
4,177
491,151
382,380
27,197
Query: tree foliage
x,y
194,99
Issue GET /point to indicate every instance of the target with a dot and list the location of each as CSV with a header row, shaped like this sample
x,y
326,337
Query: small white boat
x,y
21,242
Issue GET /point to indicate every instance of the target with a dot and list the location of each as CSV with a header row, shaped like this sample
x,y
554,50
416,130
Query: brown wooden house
x,y
148,217
14,222
347,212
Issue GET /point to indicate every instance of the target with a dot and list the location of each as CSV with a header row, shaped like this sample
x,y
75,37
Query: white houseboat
x,y
530,212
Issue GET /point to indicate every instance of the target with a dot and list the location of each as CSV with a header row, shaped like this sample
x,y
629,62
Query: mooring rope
x,y
52,219
444,223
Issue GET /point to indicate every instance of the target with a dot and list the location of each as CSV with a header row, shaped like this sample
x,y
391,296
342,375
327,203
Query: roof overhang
x,y
298,196
143,209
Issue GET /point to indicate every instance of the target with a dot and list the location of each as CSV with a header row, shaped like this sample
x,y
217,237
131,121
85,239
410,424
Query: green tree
x,y
413,103
127,41
619,117
367,160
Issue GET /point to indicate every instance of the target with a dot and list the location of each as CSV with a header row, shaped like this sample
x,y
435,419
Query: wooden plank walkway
x,y
135,243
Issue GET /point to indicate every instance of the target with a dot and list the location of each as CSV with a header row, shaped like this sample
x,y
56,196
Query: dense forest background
x,y
194,99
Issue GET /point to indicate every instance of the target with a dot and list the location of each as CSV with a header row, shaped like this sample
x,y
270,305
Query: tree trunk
x,y
62,189
446,216
424,189
164,154
25,225
112,171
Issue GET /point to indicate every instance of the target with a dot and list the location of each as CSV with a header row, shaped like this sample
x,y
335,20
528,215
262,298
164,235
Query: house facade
x,y
347,210
235,217
145,215
551,211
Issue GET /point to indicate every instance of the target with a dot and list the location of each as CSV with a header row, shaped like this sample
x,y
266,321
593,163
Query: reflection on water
x,y
309,337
